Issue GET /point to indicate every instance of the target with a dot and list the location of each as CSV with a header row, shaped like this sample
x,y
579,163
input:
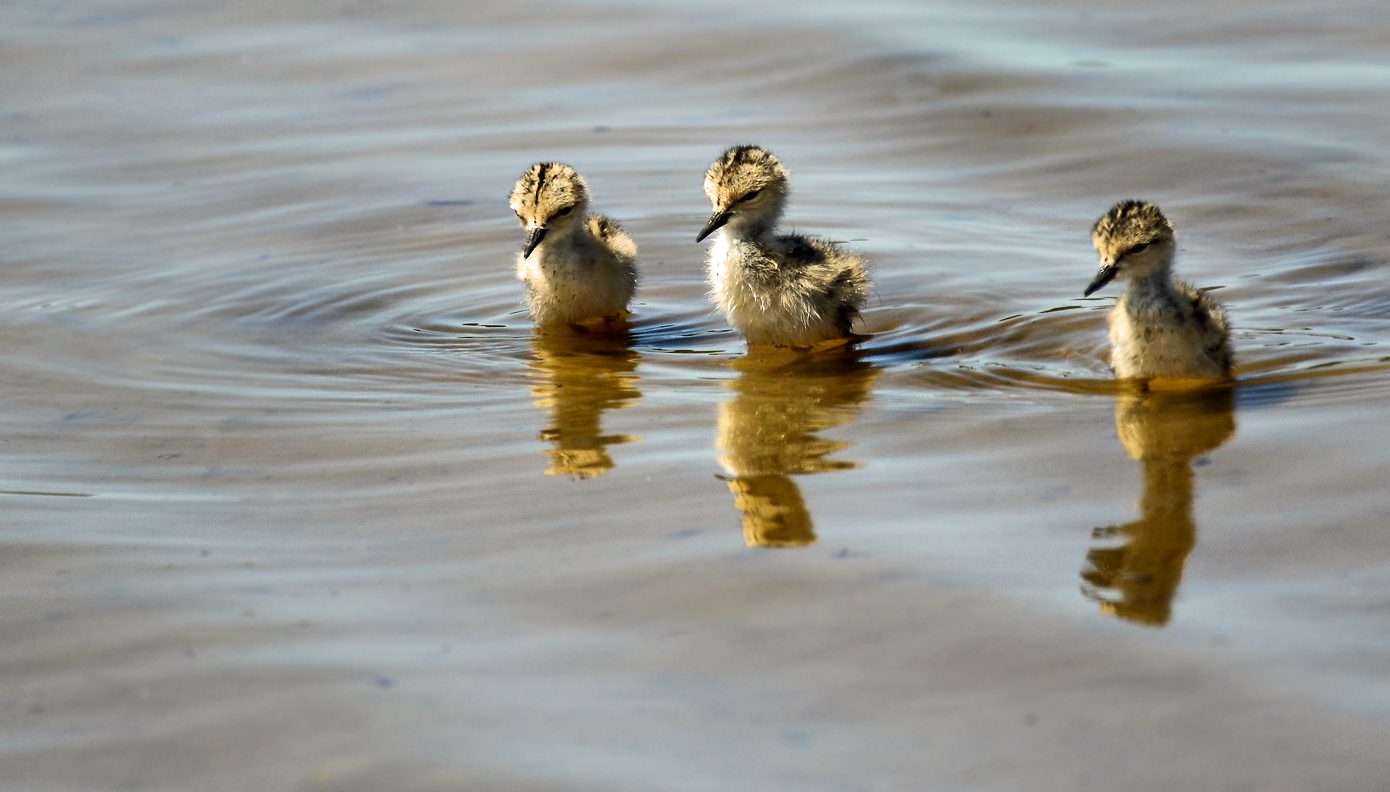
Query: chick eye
x,y
564,211
750,196
1138,248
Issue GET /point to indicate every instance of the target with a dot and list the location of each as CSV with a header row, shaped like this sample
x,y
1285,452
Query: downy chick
x,y
578,268
784,289
1160,327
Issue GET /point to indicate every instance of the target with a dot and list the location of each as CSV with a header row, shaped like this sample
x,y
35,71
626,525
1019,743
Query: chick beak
x,y
532,240
716,222
1107,273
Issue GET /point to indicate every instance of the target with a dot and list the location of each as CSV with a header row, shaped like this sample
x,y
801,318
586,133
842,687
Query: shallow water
x,y
295,499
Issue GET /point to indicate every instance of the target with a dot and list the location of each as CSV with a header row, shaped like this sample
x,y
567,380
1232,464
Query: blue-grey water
x,y
295,499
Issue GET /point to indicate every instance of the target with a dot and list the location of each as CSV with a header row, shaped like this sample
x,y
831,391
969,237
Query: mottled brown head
x,y
747,186
1131,239
549,197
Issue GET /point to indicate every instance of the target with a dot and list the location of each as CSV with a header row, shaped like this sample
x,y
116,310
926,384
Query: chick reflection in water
x,y
1133,570
767,432
578,377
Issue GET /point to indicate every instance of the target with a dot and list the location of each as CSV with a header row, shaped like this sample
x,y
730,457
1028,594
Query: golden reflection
x,y
1133,570
577,377
767,432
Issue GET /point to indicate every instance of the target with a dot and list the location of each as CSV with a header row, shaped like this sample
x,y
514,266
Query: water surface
x,y
296,499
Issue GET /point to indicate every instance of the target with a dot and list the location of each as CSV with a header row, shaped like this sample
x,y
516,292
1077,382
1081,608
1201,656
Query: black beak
x,y
1106,274
532,239
715,223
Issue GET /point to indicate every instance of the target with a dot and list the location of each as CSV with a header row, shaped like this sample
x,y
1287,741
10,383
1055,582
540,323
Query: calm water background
x,y
293,499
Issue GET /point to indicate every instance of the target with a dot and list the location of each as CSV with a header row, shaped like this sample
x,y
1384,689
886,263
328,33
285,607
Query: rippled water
x,y
295,499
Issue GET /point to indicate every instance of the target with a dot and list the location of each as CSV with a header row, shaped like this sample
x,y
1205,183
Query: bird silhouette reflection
x,y
768,432
1133,570
577,377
